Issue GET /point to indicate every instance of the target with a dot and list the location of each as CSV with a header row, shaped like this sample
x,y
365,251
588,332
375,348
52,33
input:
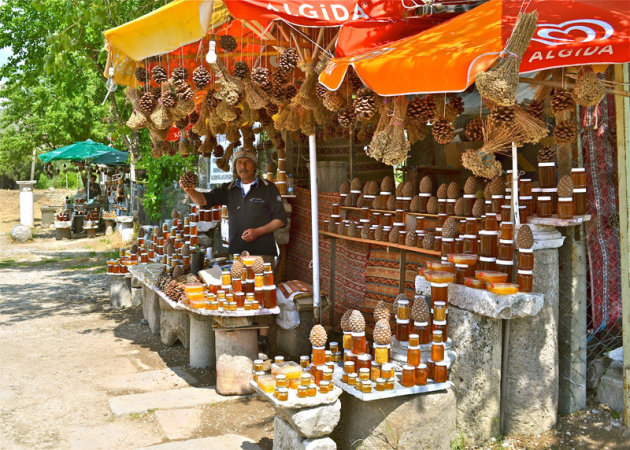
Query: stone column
x,y
120,290
531,388
572,325
151,309
202,346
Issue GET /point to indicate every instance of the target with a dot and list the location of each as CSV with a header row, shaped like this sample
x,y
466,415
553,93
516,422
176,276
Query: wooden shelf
x,y
433,216
381,243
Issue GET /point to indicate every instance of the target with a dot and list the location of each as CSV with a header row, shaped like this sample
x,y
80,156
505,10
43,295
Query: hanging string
x,y
308,38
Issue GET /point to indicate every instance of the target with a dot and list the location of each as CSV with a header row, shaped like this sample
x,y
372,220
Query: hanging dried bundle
x,y
306,96
255,97
381,139
532,130
443,131
307,122
502,115
399,146
500,83
293,118
481,163
160,117
229,87
416,131
225,111
321,114
333,100
137,120
588,90
498,138
474,129
565,132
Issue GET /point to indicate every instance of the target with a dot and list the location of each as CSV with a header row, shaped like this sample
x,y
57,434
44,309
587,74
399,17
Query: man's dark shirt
x,y
261,205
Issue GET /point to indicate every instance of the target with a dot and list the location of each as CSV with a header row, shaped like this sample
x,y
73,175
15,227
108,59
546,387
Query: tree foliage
x,y
52,86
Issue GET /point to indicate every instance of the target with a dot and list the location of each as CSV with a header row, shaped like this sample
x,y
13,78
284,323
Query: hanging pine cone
x,y
188,179
147,102
159,74
193,117
346,117
565,132
211,101
228,43
320,90
141,74
288,60
261,75
290,91
536,109
272,109
422,109
201,77
562,100
474,129
157,92
179,74
169,100
241,69
456,103
502,115
278,92
443,131
183,91
547,153
364,103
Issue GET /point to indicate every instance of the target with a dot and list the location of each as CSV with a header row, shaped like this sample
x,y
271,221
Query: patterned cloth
x,y
599,150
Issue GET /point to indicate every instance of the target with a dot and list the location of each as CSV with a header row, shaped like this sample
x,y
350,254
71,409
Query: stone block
x,y
120,291
202,342
237,343
234,374
135,283
610,388
476,374
313,422
407,423
151,309
174,326
21,233
136,296
531,389
319,444
285,437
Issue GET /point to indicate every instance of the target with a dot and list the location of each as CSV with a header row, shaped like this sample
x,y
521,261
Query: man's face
x,y
246,169
92,179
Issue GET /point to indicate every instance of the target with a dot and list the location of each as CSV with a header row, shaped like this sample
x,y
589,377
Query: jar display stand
x,y
109,226
202,342
304,423
119,290
151,309
90,231
174,323
125,228
48,215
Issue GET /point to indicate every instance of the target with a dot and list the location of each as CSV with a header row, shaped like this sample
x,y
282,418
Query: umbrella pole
x,y
314,224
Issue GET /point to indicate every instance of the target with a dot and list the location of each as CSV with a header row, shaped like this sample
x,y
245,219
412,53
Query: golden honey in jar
x,y
375,371
461,271
270,299
402,330
347,340
439,311
366,387
364,361
408,376
319,355
547,174
448,246
440,326
524,280
544,207
431,368
421,374
441,206
328,374
281,381
507,231
389,384
349,367
423,331
413,355
258,374
565,207
506,266
470,245
491,222
381,353
258,365
258,280
312,390
488,243
352,379
302,391
525,186
305,379
506,213
439,266
579,201
474,283
437,351
305,361
226,278
364,373
491,276
502,288
380,384
440,372
387,371
525,259
255,305
486,263
283,394
414,339
402,309
505,250
450,206
329,356
325,387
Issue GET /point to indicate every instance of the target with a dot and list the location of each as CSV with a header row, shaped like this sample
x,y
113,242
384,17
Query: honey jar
x,y
544,207
226,278
255,305
579,201
269,299
312,390
423,331
375,371
547,174
437,242
366,387
524,280
421,375
414,339
347,340
441,372
461,271
468,201
431,369
506,213
424,198
441,206
349,366
490,276
474,283
440,326
505,250
488,243
470,245
439,266
325,387
381,353
502,288
302,391
437,351
283,394
389,384
506,266
387,371
486,263
352,379
258,365
525,259
565,207
281,381
278,359
334,347
408,376
448,246
497,203
413,355
358,343
328,374
380,384
319,355
364,373
402,330
328,355
439,311
402,309
491,222
364,361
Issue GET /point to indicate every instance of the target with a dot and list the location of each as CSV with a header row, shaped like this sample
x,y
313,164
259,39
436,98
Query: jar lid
x,y
489,232
260,372
579,190
502,262
441,200
441,363
565,199
362,369
364,357
414,347
578,169
380,380
324,383
536,189
414,336
497,197
327,352
301,387
544,198
546,164
422,366
506,241
403,302
402,321
470,196
385,193
333,344
408,367
358,334
281,377
424,194
321,367
451,200
526,272
444,239
353,375
550,189
283,389
525,197
526,250
421,324
439,322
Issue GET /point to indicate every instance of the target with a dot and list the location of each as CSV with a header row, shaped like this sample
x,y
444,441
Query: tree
x,y
53,86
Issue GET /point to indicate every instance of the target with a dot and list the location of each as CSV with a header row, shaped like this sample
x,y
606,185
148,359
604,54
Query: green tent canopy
x,y
87,150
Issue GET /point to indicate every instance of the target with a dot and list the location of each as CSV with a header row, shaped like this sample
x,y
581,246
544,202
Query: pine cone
x,y
426,185
318,336
183,91
261,75
474,129
364,103
443,131
565,187
157,92
272,110
141,75
394,234
525,237
345,320
421,109
290,91
382,332
561,100
442,191
536,109
279,77
193,117
228,43
456,103
320,90
428,241
502,115
478,208
565,132
449,228
547,153
147,102
278,92
356,321
159,74
288,60
452,191
241,69
381,312
201,77
471,185
346,117
387,184
459,207
211,101
179,74
411,239
432,205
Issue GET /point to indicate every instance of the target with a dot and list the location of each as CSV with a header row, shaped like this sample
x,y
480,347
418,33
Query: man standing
x,y
95,188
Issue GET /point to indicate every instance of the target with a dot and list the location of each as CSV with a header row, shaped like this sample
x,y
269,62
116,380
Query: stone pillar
x,y
476,373
202,351
174,325
151,309
26,202
120,290
531,388
572,324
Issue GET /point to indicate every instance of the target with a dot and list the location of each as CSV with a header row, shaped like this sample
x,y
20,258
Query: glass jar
x,y
507,231
431,368
380,384
491,276
553,193
488,243
329,356
525,186
579,201
470,245
402,330
424,198
312,390
565,207
437,243
437,335
474,283
441,206
347,340
413,355
547,174
486,263
381,353
423,331
502,288
389,384
472,226
269,299
349,367
461,271
364,361
439,311
505,250
358,343
364,373
302,391
283,394
506,266
319,355
544,207
408,376
440,326
497,203
439,292
402,310
524,279
325,387
281,381
328,374
440,266
448,246
414,339
525,259
387,371
255,305
491,222
375,371
366,387
421,374
352,379
437,351
440,372
528,203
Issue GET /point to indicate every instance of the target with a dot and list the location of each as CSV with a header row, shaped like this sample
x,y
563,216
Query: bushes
x,y
44,182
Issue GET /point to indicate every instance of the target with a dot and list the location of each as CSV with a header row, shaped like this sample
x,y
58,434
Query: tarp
x,y
447,57
86,150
